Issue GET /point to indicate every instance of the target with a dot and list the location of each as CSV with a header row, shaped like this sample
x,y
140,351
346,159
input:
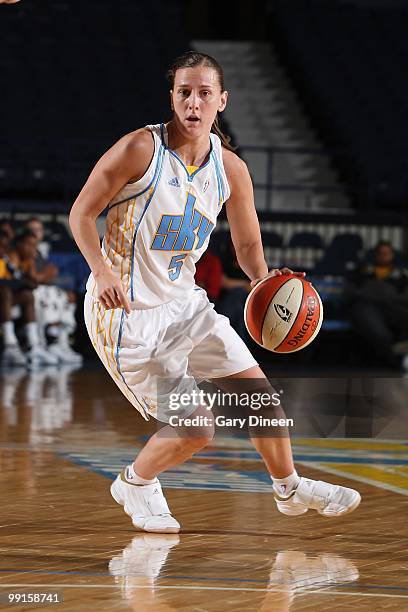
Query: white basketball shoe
x,y
65,354
40,356
13,356
145,504
326,498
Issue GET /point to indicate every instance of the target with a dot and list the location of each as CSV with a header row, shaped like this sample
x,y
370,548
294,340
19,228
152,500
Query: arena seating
x,y
348,61
327,247
92,71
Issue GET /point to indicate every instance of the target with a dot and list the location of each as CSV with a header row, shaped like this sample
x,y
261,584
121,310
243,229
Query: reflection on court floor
x,y
65,434
152,562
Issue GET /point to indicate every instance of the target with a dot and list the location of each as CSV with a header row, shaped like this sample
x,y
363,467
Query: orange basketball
x,y
283,313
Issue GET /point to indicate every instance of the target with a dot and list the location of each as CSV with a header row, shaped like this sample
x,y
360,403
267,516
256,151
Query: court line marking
x,y
252,456
323,584
302,459
112,462
363,479
201,588
142,439
246,487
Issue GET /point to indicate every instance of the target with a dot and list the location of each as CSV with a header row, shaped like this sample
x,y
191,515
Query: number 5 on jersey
x,y
175,265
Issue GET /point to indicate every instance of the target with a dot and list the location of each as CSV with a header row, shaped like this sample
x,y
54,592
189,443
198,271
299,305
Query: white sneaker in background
x,y
145,504
13,356
327,499
39,356
65,354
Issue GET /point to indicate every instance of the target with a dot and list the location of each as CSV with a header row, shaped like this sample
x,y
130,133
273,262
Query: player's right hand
x,y
110,291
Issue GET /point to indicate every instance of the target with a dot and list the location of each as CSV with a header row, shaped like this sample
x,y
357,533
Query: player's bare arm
x,y
126,161
242,217
243,221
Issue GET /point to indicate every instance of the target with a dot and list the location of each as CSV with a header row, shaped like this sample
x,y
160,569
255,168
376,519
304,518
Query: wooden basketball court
x,y
65,434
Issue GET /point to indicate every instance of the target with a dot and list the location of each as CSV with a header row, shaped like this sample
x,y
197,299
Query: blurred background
x,y
318,110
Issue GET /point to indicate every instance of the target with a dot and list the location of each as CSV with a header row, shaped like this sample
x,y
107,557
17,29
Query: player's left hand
x,y
277,272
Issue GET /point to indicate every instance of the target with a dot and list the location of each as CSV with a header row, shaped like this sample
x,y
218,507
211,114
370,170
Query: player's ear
x,y
223,101
171,100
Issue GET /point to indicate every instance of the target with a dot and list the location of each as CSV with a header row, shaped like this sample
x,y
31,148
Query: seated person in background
x,y
55,307
42,271
36,226
235,289
23,256
50,300
209,274
6,268
377,299
7,227
16,291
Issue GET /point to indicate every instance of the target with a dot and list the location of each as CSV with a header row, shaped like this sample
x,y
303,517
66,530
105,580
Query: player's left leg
x,y
148,383
138,489
171,446
294,495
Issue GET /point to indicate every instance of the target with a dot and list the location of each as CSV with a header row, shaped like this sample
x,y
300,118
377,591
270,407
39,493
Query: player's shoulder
x,y
132,153
234,166
137,142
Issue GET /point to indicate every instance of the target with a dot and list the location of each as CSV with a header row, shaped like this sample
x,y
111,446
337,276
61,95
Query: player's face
x,y
196,99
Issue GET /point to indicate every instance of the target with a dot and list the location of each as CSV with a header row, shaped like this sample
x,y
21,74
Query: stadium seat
x,y
337,53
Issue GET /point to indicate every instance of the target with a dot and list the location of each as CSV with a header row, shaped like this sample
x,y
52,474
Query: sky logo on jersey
x,y
182,232
174,182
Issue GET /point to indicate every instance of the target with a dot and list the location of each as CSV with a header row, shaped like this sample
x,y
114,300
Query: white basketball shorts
x,y
177,342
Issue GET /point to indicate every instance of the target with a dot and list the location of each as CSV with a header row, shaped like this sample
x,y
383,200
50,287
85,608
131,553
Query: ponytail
x,y
225,140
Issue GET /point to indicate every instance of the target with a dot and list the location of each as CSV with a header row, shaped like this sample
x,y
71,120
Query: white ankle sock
x,y
284,486
32,335
132,477
54,330
9,335
63,337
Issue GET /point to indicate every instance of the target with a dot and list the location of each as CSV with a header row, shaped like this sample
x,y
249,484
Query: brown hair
x,y
191,59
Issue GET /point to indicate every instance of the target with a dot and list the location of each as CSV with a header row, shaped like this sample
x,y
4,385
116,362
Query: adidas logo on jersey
x,y
174,182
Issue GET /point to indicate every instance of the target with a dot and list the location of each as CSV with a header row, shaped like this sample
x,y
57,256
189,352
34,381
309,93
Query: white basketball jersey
x,y
158,227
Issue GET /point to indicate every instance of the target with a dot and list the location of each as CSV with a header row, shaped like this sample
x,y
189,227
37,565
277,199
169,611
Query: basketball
x,y
283,313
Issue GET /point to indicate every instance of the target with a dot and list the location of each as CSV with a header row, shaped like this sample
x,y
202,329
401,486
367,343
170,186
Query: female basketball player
x,y
164,186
